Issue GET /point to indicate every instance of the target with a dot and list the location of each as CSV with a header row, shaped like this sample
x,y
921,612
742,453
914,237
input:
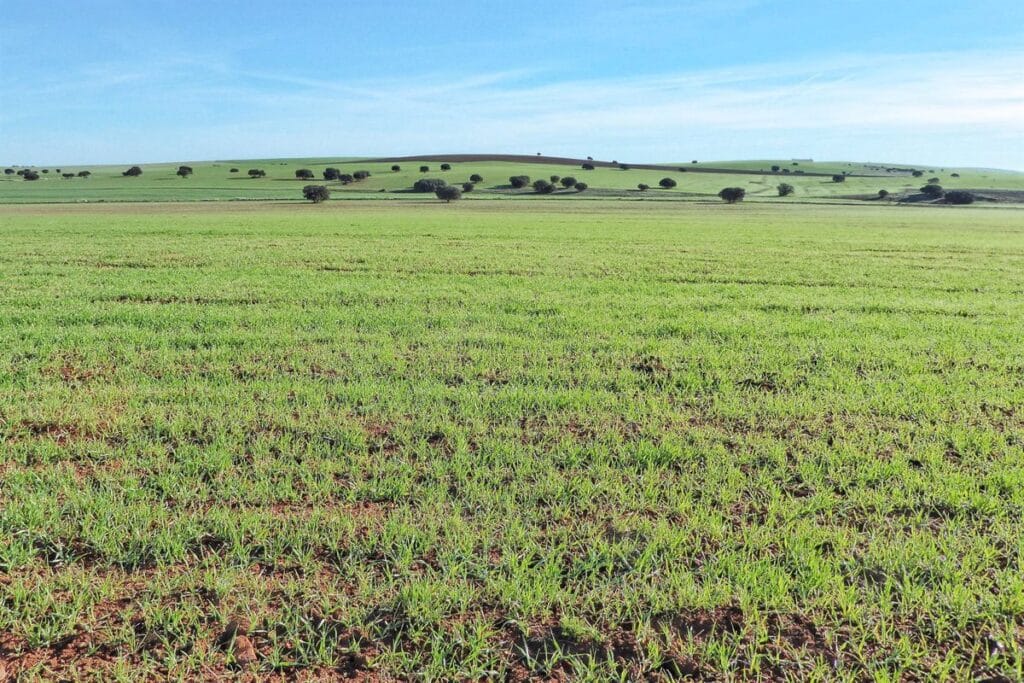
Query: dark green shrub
x,y
429,184
959,197
316,193
733,194
448,193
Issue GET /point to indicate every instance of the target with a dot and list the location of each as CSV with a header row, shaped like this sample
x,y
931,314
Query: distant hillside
x,y
488,177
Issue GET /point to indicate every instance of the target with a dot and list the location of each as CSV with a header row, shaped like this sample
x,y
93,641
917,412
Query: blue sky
x,y
114,81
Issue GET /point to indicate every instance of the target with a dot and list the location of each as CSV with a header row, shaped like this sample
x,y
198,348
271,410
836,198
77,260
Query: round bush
x,y
448,193
316,193
476,178
667,183
429,184
580,187
542,186
732,194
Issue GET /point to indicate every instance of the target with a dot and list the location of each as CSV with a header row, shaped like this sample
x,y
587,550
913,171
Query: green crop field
x,y
215,181
597,440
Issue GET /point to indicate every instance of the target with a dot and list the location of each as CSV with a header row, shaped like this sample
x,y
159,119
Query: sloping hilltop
x,y
608,179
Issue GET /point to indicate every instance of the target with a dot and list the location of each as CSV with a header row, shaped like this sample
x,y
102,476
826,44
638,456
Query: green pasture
x,y
588,440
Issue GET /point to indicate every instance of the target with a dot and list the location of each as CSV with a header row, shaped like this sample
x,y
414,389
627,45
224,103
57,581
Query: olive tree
x,y
316,193
732,194
448,193
429,184
542,186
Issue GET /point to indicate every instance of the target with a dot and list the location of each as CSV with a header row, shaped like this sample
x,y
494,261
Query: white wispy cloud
x,y
953,108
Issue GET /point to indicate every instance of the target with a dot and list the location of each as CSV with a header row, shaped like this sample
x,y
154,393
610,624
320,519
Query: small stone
x,y
245,653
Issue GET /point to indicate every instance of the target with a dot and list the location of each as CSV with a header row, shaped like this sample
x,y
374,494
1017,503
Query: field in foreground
x,y
604,441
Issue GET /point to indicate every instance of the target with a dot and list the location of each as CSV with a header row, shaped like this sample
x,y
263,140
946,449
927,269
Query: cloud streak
x,y
948,108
